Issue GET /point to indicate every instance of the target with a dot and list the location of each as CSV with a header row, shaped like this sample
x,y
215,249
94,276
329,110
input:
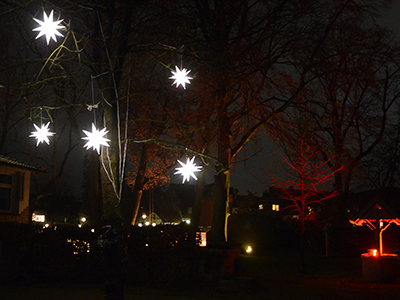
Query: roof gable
x,y
379,204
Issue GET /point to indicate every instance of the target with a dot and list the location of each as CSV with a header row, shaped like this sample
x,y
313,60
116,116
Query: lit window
x,y
201,239
275,207
261,206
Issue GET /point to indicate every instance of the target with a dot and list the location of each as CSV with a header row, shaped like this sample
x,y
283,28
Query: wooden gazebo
x,y
378,216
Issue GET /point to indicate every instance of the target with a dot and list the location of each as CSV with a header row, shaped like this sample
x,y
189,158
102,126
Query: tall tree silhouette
x,y
309,181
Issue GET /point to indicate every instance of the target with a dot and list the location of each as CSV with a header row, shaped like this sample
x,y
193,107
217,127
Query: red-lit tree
x,y
309,181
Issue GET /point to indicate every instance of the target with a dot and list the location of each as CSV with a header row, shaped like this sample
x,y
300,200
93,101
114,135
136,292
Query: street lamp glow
x,y
187,170
48,27
42,134
180,77
96,138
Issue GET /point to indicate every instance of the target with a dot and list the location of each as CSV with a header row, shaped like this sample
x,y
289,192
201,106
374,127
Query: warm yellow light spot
x,y
374,252
249,249
275,207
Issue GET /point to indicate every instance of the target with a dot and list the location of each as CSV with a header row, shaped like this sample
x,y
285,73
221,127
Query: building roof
x,y
15,163
378,204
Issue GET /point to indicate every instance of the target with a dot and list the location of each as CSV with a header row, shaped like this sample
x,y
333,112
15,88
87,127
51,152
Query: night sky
x,y
250,175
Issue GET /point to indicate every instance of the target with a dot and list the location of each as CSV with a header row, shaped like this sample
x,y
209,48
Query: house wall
x,y
20,185
20,218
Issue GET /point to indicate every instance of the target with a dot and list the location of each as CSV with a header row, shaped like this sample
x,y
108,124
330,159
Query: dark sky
x,y
253,177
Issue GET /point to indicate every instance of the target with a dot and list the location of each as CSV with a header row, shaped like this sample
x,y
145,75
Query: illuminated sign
x,y
38,218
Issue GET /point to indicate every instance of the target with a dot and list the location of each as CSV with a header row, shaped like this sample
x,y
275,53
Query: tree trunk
x,y
198,202
222,183
110,167
94,194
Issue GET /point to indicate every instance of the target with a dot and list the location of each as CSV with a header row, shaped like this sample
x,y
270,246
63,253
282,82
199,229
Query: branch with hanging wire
x,y
175,146
55,55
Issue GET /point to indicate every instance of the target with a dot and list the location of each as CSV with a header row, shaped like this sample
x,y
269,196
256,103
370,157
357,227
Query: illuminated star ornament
x,y
187,170
42,133
180,77
48,27
96,138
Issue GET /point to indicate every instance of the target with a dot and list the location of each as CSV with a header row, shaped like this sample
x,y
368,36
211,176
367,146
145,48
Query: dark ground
x,y
272,276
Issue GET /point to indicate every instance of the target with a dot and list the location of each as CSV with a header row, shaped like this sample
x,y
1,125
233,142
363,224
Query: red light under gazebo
x,y
378,216
378,267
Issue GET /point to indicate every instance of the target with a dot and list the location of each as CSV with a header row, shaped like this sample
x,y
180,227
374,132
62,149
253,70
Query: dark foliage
x,y
69,253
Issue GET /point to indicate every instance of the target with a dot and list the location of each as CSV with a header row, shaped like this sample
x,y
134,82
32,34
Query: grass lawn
x,y
275,276
280,276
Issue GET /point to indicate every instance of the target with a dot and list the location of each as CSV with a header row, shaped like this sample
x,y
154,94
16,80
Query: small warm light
x,y
203,239
260,207
80,225
83,219
153,224
92,230
144,216
147,223
372,253
187,170
140,225
275,207
38,218
249,249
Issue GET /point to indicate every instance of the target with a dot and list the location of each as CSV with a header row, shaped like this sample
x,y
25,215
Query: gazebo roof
x,y
377,210
378,205
15,163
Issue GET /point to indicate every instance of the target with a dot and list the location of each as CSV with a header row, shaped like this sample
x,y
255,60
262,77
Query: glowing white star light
x,y
187,170
180,77
96,138
48,27
42,133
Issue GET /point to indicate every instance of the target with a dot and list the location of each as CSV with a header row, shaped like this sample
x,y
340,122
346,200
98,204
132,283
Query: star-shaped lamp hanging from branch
x,y
48,27
96,138
187,170
180,77
42,133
